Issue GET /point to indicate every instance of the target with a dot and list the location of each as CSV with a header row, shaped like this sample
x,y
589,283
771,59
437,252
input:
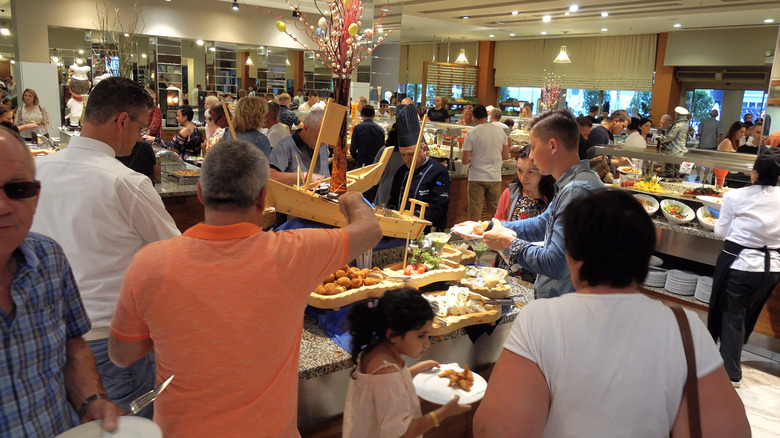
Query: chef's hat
x,y
408,125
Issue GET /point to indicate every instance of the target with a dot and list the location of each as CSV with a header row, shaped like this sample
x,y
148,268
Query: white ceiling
x,y
425,19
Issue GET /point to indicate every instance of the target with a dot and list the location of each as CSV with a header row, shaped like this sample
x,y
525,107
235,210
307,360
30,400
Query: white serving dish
x,y
711,201
649,199
700,217
687,212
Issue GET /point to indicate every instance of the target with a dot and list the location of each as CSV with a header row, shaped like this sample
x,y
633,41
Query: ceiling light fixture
x,y
769,20
287,61
79,61
604,29
212,49
546,18
55,59
462,57
574,8
3,26
199,42
127,34
511,34
380,29
235,5
13,62
465,17
605,14
544,32
249,61
677,25
81,51
492,36
562,57
515,12
143,55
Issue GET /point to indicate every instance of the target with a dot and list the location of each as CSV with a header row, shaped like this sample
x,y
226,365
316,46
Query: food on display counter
x,y
455,301
41,152
443,152
675,210
706,218
186,172
702,191
459,307
649,184
487,281
347,278
628,170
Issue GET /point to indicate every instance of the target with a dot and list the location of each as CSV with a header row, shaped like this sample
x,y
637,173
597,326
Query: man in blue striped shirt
x,y
48,378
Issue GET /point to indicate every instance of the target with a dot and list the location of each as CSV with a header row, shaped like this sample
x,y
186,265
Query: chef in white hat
x,y
673,143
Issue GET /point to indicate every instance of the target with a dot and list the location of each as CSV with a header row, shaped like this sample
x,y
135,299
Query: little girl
x,y
381,400
527,196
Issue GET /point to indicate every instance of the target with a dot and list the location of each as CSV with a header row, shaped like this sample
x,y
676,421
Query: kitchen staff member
x,y
748,268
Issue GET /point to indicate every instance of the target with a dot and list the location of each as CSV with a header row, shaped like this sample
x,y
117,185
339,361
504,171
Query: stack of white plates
x,y
656,277
681,282
703,289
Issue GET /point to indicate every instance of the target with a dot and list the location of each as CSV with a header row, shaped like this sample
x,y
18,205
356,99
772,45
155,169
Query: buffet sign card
x,y
686,168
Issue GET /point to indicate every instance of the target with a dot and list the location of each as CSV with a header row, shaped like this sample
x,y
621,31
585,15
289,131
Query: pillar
x,y
666,88
487,93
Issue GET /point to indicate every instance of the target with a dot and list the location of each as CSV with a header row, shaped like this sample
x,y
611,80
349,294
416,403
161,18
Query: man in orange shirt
x,y
229,326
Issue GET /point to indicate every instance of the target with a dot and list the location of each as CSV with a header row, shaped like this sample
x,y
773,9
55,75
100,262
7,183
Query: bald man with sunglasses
x,y
48,371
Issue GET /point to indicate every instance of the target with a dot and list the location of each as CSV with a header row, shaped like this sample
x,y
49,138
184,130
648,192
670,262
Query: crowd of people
x,y
98,309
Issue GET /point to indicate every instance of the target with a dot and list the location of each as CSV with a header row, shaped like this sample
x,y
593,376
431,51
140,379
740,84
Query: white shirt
x,y
276,133
635,140
102,213
486,142
614,363
305,107
748,217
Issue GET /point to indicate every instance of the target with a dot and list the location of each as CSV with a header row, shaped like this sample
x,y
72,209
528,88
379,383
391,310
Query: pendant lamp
x,y
562,57
462,57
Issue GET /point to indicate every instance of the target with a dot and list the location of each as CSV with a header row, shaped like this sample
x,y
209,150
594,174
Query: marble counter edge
x,y
320,356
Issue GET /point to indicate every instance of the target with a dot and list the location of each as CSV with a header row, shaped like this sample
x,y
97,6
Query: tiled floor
x,y
760,392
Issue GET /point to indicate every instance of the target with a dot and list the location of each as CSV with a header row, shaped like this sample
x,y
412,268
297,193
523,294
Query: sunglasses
x,y
21,190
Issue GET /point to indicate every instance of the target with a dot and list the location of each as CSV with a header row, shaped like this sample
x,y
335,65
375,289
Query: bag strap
x,y
691,382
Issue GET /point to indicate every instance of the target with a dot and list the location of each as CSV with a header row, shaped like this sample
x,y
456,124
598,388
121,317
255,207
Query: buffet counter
x,y
324,369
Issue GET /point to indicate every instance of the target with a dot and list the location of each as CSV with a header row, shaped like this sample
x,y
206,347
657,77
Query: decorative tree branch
x,y
340,46
111,32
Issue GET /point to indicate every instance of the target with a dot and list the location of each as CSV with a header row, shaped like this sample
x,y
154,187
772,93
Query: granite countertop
x,y
321,356
168,189
693,228
687,298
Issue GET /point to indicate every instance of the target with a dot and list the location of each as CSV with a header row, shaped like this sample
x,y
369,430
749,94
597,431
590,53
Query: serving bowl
x,y
711,201
701,215
648,202
687,212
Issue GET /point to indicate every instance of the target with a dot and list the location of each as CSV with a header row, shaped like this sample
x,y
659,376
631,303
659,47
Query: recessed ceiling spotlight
x,y
566,13
515,12
677,25
199,42
212,49
546,18
605,14
13,62
604,29
574,8
167,0
81,51
511,34
235,5
143,55
769,20
465,17
492,36
544,32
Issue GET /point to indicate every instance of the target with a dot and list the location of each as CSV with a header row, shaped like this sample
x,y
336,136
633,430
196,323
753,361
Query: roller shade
x,y
622,62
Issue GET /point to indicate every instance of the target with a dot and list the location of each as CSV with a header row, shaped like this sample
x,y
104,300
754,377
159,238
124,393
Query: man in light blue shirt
x,y
710,131
554,142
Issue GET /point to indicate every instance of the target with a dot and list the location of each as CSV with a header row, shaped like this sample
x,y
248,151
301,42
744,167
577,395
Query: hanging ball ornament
x,y
322,23
369,32
281,26
320,32
353,29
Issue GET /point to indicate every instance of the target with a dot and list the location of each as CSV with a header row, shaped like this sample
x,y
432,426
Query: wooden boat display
x,y
450,323
301,200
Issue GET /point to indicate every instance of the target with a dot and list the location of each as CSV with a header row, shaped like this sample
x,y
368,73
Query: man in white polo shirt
x,y
485,148
101,213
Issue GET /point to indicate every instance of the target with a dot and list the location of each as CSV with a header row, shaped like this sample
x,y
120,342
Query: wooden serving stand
x,y
451,254
448,271
489,316
301,200
335,302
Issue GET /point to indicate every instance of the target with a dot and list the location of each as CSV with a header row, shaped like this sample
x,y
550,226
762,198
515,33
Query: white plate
x,y
129,427
711,201
466,229
432,388
655,261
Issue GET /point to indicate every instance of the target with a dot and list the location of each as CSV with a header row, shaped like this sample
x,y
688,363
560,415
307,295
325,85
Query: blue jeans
x,y
123,385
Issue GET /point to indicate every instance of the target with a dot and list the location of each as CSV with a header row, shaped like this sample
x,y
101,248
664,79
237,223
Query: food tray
x,y
469,257
184,180
335,302
491,314
448,271
501,290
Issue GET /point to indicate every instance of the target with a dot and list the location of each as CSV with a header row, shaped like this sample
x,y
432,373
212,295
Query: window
x,y
521,94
